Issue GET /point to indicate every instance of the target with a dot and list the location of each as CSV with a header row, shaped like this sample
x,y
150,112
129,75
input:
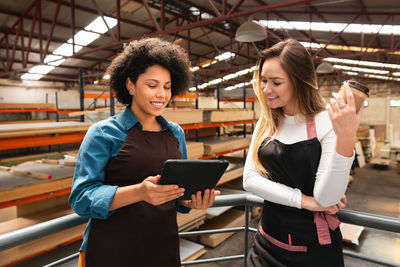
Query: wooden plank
x,y
50,161
194,149
213,145
35,189
183,116
351,233
231,218
190,250
30,129
184,220
32,174
228,115
27,106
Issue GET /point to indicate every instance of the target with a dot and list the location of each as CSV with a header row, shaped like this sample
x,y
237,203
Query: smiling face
x,y
277,87
151,92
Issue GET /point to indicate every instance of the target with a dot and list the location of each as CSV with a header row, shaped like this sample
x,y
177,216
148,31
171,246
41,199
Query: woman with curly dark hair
x,y
133,218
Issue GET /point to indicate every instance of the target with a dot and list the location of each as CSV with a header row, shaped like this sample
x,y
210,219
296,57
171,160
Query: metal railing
x,y
27,234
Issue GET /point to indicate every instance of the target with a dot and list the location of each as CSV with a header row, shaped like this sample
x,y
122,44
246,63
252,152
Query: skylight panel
x,y
334,27
351,73
361,69
363,63
98,24
84,38
41,69
225,56
230,76
66,50
31,76
54,60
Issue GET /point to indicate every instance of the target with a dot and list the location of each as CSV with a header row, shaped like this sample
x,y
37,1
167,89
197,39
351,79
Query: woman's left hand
x,y
345,121
199,202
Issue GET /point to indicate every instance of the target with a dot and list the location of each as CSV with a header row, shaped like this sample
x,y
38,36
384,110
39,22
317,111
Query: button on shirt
x,y
90,197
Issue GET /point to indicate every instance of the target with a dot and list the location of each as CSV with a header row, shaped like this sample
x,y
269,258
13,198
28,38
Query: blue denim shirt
x,y
90,197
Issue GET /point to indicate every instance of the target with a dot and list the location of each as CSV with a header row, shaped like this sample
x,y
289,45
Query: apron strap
x,y
323,221
311,129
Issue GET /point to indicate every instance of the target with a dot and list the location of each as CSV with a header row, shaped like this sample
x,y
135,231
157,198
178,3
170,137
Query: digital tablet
x,y
193,175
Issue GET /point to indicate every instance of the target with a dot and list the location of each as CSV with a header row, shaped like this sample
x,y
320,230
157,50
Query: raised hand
x,y
199,202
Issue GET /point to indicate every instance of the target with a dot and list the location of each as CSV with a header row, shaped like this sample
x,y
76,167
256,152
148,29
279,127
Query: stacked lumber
x,y
183,116
194,149
204,132
234,170
221,115
16,186
213,145
182,104
189,250
186,221
27,106
231,218
31,129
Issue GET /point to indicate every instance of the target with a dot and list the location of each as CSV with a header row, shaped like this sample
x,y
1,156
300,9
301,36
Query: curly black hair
x,y
142,54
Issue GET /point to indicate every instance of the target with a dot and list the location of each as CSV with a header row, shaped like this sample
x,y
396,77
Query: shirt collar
x,y
129,120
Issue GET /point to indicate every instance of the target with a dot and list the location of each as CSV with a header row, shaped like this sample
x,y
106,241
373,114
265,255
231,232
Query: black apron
x,y
139,234
289,236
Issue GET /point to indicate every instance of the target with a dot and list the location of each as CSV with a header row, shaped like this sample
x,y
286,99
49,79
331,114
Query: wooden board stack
x,y
187,220
194,149
234,170
183,116
213,145
31,129
231,218
27,106
221,115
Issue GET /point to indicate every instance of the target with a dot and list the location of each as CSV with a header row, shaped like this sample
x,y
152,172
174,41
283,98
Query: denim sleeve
x,y
182,148
89,195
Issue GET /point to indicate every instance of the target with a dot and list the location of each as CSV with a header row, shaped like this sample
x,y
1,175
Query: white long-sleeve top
x,y
332,174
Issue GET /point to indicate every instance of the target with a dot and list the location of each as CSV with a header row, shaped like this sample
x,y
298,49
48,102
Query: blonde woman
x,y
298,162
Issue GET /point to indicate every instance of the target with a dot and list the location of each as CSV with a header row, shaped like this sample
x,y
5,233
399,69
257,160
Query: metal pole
x,y
73,25
244,106
246,234
218,99
57,117
196,83
112,105
81,94
118,3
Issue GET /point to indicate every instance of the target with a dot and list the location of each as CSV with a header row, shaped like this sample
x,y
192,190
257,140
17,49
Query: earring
x,y
130,92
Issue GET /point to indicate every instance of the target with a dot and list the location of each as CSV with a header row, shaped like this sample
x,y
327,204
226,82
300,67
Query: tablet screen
x,y
193,175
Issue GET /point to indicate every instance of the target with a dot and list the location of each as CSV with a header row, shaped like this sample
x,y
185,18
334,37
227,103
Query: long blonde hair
x,y
297,63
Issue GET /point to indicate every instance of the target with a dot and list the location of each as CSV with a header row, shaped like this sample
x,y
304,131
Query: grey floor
x,y
373,191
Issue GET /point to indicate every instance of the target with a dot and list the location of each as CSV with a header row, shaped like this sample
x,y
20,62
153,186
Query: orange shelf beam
x,y
189,95
223,153
97,95
31,199
214,124
34,141
248,99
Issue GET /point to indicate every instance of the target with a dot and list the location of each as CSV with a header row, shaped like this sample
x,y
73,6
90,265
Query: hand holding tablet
x,y
193,175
